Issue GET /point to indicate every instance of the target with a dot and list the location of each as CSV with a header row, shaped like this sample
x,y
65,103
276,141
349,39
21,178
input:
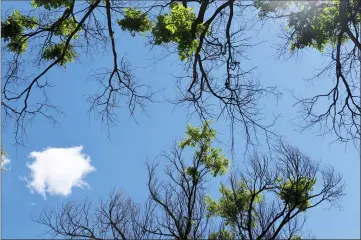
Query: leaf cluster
x,y
176,27
211,158
55,51
296,193
66,27
315,27
232,203
135,21
14,28
173,27
51,4
313,24
223,234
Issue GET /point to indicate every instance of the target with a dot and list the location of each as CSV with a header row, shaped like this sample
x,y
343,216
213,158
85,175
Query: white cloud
x,y
57,170
4,161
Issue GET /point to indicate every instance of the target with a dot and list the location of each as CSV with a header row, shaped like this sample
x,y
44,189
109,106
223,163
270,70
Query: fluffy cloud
x,y
57,170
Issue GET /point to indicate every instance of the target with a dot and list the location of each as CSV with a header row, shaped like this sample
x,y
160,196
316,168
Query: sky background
x,y
120,161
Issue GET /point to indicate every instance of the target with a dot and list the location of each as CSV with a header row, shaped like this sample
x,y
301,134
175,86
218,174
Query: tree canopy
x,y
207,34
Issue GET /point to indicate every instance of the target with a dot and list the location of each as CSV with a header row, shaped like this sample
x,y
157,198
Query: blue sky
x,y
119,161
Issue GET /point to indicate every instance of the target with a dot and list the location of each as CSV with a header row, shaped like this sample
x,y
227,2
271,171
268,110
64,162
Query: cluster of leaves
x,y
66,27
173,27
176,27
267,7
135,21
51,4
223,234
211,158
56,51
232,204
296,193
193,173
13,31
313,24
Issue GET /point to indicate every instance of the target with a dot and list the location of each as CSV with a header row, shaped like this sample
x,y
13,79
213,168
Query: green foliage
x,y
66,27
223,234
55,51
13,30
315,27
192,172
313,24
135,21
266,7
18,44
176,27
51,4
232,203
296,193
212,158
